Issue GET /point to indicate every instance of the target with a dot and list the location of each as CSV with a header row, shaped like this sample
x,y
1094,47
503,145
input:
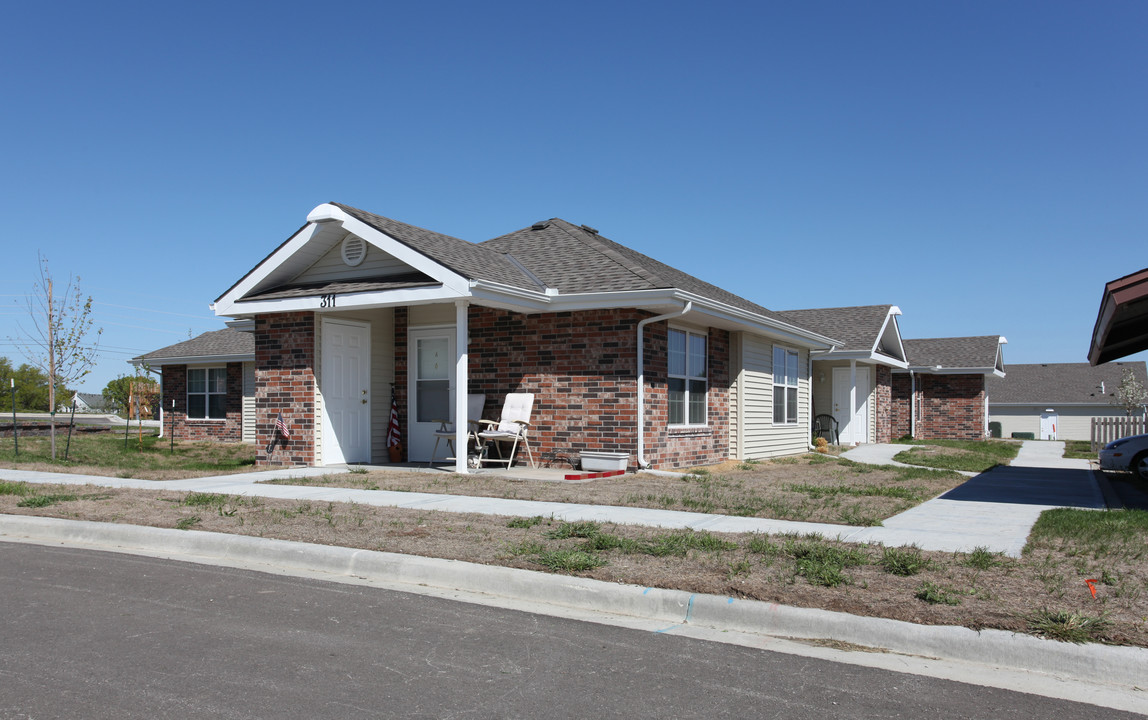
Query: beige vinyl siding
x,y
823,391
331,267
438,314
1073,422
763,439
248,418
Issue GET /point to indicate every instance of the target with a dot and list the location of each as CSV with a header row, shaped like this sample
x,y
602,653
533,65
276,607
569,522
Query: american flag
x,y
393,436
281,426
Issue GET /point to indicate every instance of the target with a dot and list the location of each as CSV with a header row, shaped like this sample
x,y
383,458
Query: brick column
x,y
285,384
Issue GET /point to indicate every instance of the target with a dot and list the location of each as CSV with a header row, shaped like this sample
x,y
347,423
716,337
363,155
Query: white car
x,y
1130,453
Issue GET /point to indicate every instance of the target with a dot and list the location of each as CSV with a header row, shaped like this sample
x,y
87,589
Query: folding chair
x,y
511,428
474,405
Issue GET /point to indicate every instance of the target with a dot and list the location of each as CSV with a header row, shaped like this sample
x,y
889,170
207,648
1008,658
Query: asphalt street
x,y
101,635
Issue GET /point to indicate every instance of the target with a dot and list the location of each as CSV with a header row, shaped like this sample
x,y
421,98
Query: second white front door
x,y
345,387
430,387
854,425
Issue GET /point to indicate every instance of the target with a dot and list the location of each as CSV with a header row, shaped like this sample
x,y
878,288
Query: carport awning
x,y
1122,323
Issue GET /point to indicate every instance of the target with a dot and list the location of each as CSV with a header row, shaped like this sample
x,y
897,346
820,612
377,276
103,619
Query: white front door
x,y
345,389
854,425
430,387
1048,425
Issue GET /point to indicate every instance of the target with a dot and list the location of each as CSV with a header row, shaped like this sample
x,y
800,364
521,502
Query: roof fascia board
x,y
192,360
934,370
862,355
344,301
1046,403
757,323
223,305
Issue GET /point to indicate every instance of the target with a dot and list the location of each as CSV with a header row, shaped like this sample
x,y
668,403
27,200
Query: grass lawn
x,y
1079,450
969,455
810,488
106,453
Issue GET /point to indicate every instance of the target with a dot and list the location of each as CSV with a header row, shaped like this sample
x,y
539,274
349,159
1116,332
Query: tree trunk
x,y
51,371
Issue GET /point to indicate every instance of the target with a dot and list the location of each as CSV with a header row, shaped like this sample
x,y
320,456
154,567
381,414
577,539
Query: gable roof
x,y
1062,383
220,345
551,266
1121,323
870,331
978,354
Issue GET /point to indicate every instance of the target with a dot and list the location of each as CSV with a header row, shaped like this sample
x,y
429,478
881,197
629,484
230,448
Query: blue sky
x,y
982,165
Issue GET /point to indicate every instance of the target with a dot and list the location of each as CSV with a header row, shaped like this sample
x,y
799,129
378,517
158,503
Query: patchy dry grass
x,y
1043,593
806,489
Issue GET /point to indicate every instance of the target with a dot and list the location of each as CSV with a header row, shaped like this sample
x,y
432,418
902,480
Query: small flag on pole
x,y
281,426
393,436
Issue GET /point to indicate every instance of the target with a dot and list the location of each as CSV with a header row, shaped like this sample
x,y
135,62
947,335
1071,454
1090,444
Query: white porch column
x,y
461,370
852,401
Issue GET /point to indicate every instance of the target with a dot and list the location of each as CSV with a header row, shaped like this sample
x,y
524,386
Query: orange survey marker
x,y
1092,586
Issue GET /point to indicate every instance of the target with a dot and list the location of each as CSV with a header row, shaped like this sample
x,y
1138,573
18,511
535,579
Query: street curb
x,y
1109,665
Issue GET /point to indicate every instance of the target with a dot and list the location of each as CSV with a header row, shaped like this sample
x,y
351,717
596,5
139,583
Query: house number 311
x,y
327,301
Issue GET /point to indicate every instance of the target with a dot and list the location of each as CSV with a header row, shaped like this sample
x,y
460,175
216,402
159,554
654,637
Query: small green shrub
x,y
186,523
39,501
936,594
567,560
581,529
903,561
1068,626
525,523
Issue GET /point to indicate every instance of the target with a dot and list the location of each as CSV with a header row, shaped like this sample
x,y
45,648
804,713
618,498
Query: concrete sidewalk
x,y
994,510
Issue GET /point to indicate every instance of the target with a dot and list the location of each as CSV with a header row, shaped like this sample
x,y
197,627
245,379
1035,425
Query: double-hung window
x,y
784,386
687,377
207,393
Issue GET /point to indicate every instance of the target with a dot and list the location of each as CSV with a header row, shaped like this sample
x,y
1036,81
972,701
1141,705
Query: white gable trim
x,y
251,280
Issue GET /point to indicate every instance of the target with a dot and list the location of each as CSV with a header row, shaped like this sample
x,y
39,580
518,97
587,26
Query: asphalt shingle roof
x,y
576,259
858,327
216,343
1051,383
957,352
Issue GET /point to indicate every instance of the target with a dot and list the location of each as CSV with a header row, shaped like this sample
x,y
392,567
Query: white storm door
x,y
854,426
1048,425
430,387
345,389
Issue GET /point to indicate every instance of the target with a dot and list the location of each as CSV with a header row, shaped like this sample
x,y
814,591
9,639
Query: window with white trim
x,y
784,386
687,379
207,393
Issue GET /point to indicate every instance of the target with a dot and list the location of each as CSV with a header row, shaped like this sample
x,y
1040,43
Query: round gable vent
x,y
354,250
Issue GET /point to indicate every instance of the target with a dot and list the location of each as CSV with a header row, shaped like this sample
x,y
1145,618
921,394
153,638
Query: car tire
x,y
1139,466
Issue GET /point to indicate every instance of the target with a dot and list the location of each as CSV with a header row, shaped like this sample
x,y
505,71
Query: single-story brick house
x,y
208,384
1057,401
942,392
852,381
622,352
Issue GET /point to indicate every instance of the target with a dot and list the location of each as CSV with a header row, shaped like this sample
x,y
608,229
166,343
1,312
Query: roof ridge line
x,y
599,244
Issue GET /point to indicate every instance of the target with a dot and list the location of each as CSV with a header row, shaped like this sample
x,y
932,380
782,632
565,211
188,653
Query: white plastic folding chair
x,y
474,405
511,428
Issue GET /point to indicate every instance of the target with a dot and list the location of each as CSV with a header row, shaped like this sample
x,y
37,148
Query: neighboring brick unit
x,y
582,368
228,429
950,406
884,398
285,383
899,414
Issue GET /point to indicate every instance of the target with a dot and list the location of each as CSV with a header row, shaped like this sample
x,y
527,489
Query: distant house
x,y
208,385
85,403
853,381
1057,401
942,392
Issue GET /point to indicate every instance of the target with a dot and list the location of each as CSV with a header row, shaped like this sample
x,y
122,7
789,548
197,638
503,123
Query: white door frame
x,y
853,420
420,438
346,402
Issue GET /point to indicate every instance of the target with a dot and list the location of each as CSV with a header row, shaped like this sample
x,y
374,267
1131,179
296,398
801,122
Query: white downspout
x,y
912,405
642,462
461,373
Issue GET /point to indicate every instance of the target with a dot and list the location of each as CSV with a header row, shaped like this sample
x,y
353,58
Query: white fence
x,y
1107,429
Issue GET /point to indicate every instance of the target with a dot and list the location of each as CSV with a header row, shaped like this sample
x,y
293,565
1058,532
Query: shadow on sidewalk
x,y
1031,486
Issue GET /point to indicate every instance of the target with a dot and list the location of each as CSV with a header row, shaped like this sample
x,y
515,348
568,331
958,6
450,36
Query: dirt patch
x,y
1001,595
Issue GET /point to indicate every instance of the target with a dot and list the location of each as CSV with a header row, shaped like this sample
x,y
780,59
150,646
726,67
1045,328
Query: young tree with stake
x,y
58,342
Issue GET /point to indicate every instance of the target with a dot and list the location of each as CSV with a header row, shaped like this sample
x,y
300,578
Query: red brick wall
x,y
883,396
285,383
582,369
899,405
229,429
401,323
950,406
